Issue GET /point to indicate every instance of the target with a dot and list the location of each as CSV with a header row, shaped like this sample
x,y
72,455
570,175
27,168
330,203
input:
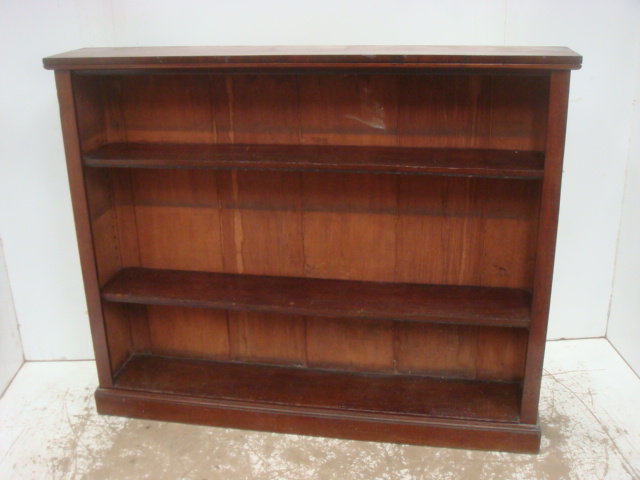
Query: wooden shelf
x,y
299,389
452,161
504,307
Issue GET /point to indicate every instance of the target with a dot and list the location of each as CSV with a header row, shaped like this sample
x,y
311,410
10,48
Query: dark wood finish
x,y
295,387
436,349
501,354
330,56
345,241
82,220
201,333
487,163
466,231
486,435
320,297
549,210
260,212
361,345
267,337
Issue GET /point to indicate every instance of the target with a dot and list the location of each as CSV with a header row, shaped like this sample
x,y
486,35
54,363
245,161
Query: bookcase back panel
x,y
434,110
187,332
416,229
261,234
461,351
90,99
264,337
118,332
456,351
161,109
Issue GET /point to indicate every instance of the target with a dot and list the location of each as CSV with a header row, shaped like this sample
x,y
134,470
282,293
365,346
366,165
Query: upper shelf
x,y
476,162
384,57
505,307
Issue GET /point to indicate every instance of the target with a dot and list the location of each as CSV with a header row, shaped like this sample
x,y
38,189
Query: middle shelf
x,y
488,306
374,159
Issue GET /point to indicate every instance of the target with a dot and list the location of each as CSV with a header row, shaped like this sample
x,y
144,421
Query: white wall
x,y
11,356
36,222
624,318
38,231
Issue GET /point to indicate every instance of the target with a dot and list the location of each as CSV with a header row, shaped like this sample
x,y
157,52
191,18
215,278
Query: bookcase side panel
x,y
82,217
547,232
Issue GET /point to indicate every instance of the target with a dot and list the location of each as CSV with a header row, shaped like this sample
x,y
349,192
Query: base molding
x,y
416,430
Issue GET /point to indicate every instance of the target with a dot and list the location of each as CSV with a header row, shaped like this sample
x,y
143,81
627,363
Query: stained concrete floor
x,y
49,429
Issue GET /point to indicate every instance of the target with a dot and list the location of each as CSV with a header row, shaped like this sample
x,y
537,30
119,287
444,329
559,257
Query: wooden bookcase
x,y
342,241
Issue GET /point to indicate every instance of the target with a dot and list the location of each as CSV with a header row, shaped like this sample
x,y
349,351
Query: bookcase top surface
x,y
317,57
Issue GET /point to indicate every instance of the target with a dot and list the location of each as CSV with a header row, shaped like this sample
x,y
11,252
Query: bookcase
x,y
353,242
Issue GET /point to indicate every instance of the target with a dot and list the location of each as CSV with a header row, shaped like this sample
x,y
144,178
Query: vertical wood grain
x,y
350,344
116,322
139,326
348,109
83,224
518,112
510,224
263,108
436,350
268,338
177,218
260,215
445,111
87,92
461,351
261,222
349,226
188,332
349,233
126,222
501,353
440,230
547,231
105,244
167,108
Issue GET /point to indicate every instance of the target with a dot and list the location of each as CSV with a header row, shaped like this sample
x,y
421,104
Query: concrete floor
x,y
49,429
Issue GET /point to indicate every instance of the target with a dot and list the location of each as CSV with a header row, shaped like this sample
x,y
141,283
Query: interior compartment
x,y
423,229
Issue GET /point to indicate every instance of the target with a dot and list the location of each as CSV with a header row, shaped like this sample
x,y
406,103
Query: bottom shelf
x,y
392,408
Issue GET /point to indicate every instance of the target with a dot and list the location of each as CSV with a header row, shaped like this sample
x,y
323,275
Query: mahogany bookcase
x,y
353,242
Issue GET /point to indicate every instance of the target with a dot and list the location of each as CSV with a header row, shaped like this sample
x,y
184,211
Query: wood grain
x,y
188,332
547,231
184,114
519,112
300,57
339,344
87,93
449,161
364,426
349,226
265,337
383,221
82,218
118,335
307,388
348,109
260,215
501,354
177,220
321,297
436,350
